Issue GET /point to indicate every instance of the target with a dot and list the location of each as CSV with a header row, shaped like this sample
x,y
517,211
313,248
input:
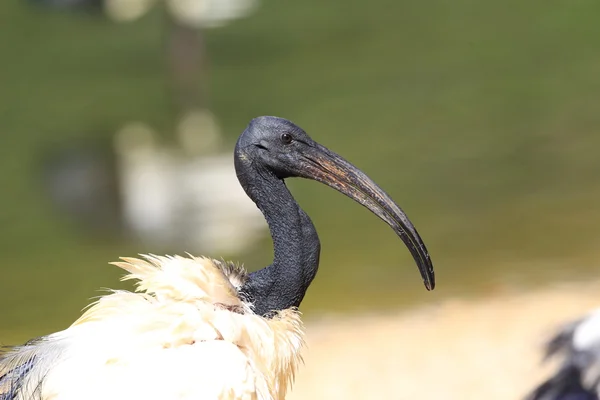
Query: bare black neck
x,y
282,284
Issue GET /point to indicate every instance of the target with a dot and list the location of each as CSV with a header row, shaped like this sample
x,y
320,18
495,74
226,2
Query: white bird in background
x,y
578,375
198,328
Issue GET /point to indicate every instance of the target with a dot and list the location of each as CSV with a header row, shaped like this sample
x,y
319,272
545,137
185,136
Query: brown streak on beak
x,y
329,168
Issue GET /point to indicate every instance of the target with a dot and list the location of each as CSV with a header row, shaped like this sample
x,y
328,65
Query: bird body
x,y
204,329
578,375
187,311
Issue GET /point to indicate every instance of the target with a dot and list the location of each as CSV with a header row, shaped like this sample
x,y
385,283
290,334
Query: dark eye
x,y
286,138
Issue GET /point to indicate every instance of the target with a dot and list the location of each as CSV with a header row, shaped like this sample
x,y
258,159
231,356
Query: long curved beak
x,y
325,166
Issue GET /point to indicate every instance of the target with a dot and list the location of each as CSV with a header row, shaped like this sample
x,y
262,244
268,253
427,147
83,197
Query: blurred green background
x,y
481,118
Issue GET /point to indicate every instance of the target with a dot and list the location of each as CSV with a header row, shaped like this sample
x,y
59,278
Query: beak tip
x,y
428,277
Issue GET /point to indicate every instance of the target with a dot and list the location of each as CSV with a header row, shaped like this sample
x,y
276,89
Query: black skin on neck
x,y
296,244
284,283
272,149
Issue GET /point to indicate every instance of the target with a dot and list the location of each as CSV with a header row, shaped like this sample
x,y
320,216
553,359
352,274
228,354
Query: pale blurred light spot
x,y
194,13
209,13
127,10
135,138
199,132
176,197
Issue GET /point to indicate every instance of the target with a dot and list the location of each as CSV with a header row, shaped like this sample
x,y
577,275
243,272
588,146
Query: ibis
x,y
577,377
201,328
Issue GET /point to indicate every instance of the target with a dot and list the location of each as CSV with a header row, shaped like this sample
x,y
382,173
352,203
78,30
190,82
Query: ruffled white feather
x,y
185,334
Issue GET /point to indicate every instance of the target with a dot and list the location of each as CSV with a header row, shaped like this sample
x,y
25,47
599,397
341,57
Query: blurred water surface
x,y
481,118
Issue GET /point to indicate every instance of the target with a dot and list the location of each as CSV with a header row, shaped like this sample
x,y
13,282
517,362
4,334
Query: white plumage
x,y
155,344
